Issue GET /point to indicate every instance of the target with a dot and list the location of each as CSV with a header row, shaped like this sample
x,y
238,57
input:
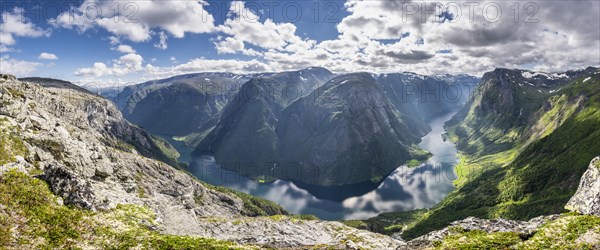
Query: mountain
x,y
54,83
322,130
522,155
317,136
181,105
423,97
72,177
346,132
117,131
251,116
507,105
178,105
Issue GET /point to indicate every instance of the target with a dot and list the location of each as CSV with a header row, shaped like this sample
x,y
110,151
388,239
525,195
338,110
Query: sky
x,y
124,42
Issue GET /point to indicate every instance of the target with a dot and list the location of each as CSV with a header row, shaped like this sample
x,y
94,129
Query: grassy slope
x,y
31,217
521,183
388,223
10,143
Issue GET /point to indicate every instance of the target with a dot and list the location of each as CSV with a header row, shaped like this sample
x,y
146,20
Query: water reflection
x,y
404,189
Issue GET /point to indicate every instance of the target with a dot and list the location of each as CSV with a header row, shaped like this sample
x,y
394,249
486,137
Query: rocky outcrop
x,y
93,158
524,228
7,77
65,183
587,198
79,142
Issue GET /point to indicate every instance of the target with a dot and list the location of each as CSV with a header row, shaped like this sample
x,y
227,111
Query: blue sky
x,y
257,36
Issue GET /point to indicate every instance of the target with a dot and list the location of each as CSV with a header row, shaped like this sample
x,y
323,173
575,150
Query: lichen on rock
x,y
587,198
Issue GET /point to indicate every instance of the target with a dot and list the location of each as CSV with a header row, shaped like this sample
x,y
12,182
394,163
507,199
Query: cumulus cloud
x,y
15,24
114,40
559,35
207,65
47,56
387,36
243,27
230,45
162,42
136,20
17,67
126,64
124,49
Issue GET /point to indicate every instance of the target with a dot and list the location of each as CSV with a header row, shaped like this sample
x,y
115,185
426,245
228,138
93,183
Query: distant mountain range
x,y
310,125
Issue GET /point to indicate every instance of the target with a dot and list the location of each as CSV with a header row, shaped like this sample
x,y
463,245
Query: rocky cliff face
x,y
587,198
79,144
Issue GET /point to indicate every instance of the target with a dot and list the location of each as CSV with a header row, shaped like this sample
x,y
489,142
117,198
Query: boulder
x,y
587,198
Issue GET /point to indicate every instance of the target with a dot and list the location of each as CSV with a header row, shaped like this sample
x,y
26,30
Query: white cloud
x,y
124,65
381,36
124,49
136,20
114,40
15,24
131,65
396,36
17,67
162,43
99,69
207,65
47,56
173,59
230,45
243,26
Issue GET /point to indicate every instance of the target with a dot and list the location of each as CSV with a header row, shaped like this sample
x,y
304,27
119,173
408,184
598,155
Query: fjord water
x,y
406,188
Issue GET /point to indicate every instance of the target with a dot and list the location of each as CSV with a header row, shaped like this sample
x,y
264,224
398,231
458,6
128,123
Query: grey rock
x,y
525,228
7,77
66,184
587,198
591,238
103,171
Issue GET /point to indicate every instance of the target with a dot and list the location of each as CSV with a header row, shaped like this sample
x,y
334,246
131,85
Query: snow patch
x,y
587,79
529,75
